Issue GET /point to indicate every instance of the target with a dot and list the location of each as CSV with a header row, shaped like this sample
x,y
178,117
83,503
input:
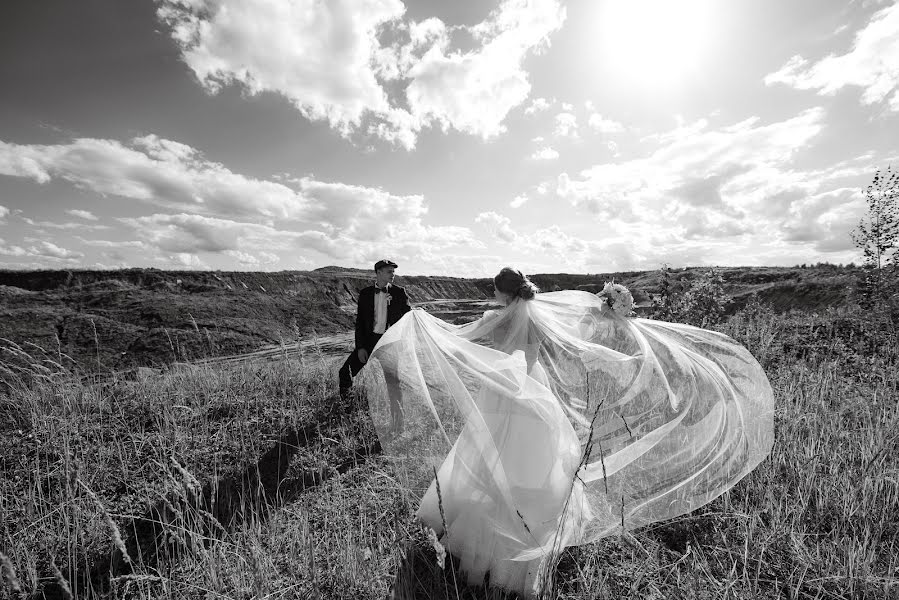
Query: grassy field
x,y
253,480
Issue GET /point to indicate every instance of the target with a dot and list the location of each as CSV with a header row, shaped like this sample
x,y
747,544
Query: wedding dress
x,y
554,422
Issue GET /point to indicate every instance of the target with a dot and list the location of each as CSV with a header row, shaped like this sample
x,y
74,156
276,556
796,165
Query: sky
x,y
451,137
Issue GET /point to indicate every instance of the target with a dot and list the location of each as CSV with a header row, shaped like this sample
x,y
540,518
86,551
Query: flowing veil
x,y
555,422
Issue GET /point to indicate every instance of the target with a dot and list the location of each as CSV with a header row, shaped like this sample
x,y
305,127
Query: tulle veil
x,y
559,422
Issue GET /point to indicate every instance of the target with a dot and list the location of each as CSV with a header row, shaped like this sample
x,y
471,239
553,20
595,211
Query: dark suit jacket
x,y
365,312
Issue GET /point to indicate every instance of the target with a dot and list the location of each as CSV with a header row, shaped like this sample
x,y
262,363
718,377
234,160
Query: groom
x,y
379,306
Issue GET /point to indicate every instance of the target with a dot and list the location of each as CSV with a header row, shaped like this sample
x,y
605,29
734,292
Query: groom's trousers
x,y
353,365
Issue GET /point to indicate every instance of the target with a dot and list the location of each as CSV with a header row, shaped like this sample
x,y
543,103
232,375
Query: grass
x,y
254,480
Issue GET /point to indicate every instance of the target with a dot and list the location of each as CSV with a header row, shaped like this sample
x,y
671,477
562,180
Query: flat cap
x,y
384,263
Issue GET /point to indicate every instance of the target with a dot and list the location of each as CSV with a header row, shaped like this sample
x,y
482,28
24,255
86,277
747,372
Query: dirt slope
x,y
136,317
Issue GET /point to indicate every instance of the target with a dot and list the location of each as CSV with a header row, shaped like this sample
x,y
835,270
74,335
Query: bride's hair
x,y
514,283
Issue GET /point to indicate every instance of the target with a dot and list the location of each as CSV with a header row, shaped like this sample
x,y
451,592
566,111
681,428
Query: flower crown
x,y
618,298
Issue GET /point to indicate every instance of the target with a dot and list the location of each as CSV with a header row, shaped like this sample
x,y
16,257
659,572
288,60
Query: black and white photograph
x,y
449,299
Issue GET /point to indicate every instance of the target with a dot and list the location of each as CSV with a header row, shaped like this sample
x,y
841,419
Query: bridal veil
x,y
555,422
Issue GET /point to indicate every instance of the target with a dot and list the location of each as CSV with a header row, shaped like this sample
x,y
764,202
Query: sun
x,y
655,42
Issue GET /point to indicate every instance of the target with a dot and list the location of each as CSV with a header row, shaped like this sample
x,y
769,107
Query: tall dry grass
x,y
817,519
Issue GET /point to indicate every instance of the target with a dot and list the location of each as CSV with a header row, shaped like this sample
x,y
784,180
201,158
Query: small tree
x,y
877,236
700,302
669,290
704,302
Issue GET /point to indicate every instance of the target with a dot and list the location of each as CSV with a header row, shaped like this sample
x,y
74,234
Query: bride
x,y
556,421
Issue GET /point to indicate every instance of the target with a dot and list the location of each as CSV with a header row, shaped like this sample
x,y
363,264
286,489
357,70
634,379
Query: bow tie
x,y
380,290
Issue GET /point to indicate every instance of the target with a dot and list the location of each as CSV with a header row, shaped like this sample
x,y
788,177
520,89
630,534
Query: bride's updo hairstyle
x,y
514,283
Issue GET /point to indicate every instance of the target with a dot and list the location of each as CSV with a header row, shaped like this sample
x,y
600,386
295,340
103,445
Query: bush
x,y
701,302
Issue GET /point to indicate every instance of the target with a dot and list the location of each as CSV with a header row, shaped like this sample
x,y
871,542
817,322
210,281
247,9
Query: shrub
x,y
701,302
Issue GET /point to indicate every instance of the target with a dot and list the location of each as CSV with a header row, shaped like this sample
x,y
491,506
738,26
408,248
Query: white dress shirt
x,y
381,310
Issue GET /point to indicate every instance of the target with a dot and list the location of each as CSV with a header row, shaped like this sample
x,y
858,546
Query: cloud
x,y
46,249
4,212
825,220
553,240
566,125
82,214
611,251
154,170
210,208
54,225
319,55
185,234
497,225
187,260
599,200
8,250
110,243
599,123
189,234
870,65
364,66
457,265
174,176
518,201
474,91
537,105
545,153
733,184
703,224
258,260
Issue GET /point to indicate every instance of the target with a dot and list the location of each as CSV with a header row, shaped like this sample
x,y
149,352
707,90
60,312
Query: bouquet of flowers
x,y
618,298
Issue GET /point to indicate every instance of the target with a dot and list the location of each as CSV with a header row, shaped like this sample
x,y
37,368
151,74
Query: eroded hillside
x,y
143,317
127,318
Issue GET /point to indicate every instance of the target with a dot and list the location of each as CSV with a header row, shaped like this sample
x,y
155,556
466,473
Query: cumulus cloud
x,y
189,234
537,105
825,220
601,252
566,125
603,125
871,64
4,212
518,201
555,241
497,225
258,259
364,65
317,54
545,153
174,176
474,91
11,250
187,261
154,170
185,234
82,214
45,249
736,181
213,209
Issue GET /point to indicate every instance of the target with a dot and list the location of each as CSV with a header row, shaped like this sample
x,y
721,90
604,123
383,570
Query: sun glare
x,y
654,41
